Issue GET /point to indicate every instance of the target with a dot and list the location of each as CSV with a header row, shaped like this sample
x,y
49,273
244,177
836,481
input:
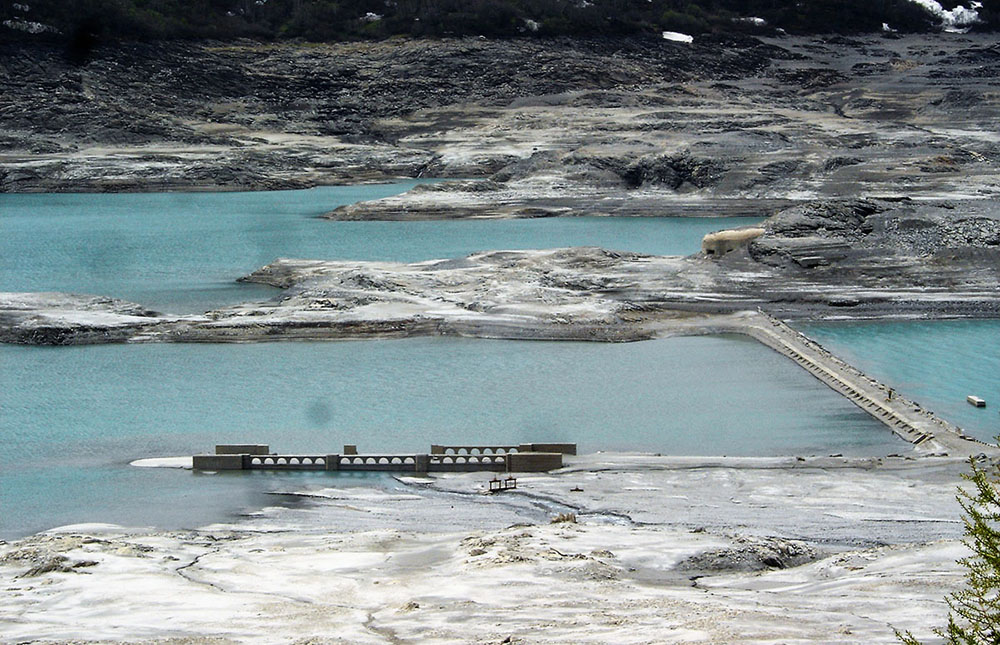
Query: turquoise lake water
x,y
72,418
935,363
182,252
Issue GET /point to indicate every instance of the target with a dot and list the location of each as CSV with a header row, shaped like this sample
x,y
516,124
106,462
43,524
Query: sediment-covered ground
x,y
661,550
811,128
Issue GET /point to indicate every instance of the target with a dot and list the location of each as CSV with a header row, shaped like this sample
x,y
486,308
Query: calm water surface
x,y
73,417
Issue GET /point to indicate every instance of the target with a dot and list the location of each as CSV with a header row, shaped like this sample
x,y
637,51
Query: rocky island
x,y
859,259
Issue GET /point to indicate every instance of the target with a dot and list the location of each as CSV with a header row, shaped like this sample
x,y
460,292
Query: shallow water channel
x,y
75,416
182,252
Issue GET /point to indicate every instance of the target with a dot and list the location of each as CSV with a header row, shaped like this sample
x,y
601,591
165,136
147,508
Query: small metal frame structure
x,y
498,485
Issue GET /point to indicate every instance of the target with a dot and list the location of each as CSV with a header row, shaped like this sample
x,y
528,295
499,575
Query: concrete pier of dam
x,y
904,417
525,457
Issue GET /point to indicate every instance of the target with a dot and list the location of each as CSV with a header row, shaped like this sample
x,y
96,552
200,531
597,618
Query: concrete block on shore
x,y
242,449
218,462
534,462
722,242
562,448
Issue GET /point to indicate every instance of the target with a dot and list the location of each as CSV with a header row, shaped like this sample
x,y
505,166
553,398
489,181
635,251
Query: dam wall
x,y
904,417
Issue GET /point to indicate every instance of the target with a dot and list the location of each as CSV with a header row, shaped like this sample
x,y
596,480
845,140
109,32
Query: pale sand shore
x,y
665,549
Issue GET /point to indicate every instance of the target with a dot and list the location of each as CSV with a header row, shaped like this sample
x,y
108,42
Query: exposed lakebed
x,y
794,119
77,416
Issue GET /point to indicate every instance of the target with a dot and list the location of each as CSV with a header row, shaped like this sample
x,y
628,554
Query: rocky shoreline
x,y
553,125
875,159
859,259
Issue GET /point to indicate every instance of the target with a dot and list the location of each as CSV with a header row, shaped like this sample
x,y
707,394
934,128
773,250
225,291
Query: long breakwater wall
x,y
904,417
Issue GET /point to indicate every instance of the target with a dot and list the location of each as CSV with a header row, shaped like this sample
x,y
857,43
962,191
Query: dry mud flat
x,y
662,550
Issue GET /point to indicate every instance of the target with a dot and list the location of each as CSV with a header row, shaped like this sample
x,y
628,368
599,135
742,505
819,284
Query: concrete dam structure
x,y
904,417
523,458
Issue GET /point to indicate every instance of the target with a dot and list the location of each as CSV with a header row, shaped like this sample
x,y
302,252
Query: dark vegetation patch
x,y
81,23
